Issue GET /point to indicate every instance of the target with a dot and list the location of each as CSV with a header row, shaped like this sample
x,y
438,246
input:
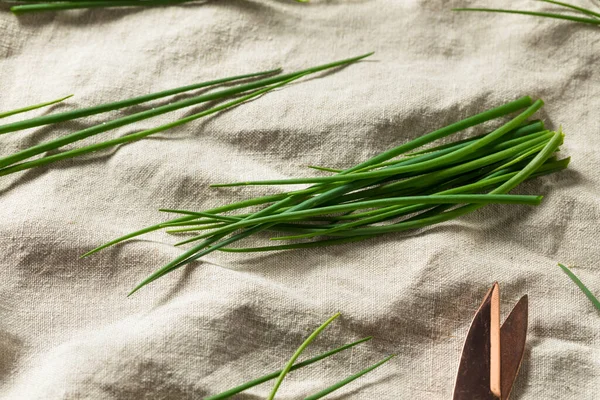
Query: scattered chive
x,y
131,137
273,375
17,161
36,106
570,7
116,105
583,288
387,193
349,379
58,5
73,5
299,351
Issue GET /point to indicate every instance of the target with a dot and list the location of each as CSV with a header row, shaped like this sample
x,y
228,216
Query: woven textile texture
x,y
67,329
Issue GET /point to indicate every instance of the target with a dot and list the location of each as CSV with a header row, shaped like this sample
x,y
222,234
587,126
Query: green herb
x,y
290,366
583,288
295,356
407,187
59,5
29,108
590,17
351,378
20,160
273,375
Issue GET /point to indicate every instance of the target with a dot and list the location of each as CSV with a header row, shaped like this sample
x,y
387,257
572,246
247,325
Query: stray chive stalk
x,y
588,16
18,161
299,351
349,379
116,105
34,107
59,5
581,286
136,136
116,123
74,5
228,393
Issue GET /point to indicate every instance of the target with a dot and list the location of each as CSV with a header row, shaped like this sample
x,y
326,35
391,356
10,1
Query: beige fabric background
x,y
67,331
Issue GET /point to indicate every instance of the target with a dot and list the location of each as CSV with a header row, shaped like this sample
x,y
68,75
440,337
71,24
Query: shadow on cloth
x,y
9,352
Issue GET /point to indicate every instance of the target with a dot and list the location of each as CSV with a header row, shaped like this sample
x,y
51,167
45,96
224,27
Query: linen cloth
x,y
67,329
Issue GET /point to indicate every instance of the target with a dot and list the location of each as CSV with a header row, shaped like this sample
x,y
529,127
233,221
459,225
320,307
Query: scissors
x,y
492,354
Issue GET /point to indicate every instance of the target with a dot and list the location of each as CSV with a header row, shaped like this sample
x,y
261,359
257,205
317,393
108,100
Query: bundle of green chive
x,y
29,6
583,15
384,194
291,366
25,158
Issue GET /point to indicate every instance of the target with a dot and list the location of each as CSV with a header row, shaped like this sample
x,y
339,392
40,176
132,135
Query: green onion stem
x,y
139,135
102,108
349,379
572,7
94,130
72,5
36,106
424,186
273,375
581,286
443,160
299,351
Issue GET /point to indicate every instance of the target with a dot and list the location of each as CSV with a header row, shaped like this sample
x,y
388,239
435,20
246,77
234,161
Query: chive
x,y
572,7
448,199
550,168
592,21
102,108
29,108
419,223
299,351
581,286
325,169
94,130
135,136
196,228
349,379
274,375
198,251
306,245
445,159
531,127
71,5
504,188
421,187
57,5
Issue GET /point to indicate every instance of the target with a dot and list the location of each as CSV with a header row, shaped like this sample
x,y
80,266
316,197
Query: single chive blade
x,y
274,375
325,169
572,7
132,235
73,5
33,107
299,351
349,379
581,286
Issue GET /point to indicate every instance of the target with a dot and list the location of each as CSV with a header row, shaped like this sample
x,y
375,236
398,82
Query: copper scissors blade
x,y
492,354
